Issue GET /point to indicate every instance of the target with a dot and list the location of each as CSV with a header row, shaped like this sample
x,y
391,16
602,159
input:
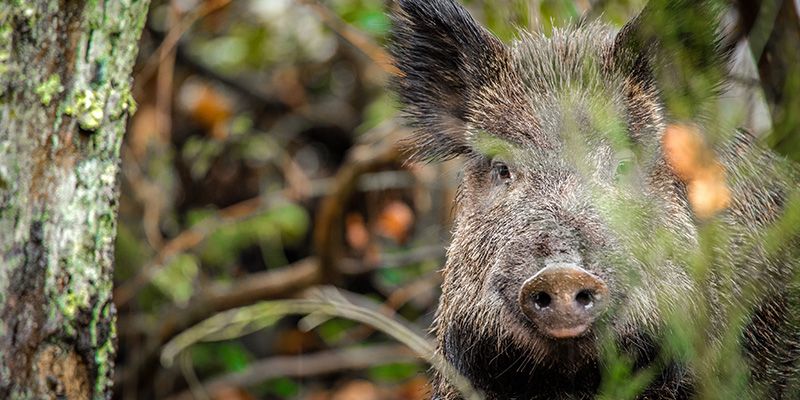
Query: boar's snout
x,y
563,300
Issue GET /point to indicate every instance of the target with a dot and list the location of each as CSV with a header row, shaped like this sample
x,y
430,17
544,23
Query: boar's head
x,y
565,191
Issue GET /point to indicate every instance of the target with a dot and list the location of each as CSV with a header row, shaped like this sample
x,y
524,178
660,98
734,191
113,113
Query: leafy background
x,y
262,163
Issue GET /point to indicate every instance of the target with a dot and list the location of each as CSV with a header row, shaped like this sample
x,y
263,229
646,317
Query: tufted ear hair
x,y
445,58
679,46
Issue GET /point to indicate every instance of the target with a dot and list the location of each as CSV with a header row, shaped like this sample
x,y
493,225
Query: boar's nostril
x,y
585,298
542,300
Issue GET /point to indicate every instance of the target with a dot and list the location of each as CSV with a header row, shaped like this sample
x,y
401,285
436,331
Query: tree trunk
x,y
64,99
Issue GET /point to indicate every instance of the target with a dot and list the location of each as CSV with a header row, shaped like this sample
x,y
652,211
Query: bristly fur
x,y
451,67
651,42
456,78
459,85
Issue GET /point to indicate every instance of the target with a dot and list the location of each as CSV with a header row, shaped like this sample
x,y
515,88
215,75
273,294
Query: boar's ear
x,y
443,56
679,43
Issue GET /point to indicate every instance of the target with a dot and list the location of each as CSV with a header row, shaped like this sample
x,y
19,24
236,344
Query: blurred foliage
x,y
247,124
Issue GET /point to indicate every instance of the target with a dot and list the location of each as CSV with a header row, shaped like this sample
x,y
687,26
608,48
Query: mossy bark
x,y
65,80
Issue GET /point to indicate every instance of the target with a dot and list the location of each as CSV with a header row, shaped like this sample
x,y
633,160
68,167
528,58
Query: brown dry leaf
x,y
207,106
695,164
416,388
357,390
318,395
289,87
356,232
295,341
395,221
230,393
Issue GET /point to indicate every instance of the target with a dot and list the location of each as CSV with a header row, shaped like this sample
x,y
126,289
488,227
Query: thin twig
x,y
397,299
326,239
147,193
278,283
187,240
261,102
354,36
308,365
164,84
328,302
263,285
329,222
169,43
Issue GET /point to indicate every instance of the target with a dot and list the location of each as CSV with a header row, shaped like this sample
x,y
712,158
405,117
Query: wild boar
x,y
575,236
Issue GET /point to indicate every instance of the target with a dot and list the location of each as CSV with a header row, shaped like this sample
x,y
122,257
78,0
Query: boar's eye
x,y
623,169
501,172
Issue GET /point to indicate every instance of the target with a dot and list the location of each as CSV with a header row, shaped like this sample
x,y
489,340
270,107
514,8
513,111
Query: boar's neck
x,y
512,374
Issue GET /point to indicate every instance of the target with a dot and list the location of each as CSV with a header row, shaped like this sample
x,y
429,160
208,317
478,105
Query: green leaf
x,y
291,220
234,357
394,373
176,279
282,387
221,357
374,21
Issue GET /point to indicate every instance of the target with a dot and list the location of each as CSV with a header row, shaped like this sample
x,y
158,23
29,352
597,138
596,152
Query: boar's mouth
x,y
571,332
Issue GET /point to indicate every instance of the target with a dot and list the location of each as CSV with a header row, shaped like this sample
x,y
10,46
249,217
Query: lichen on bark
x,y
64,100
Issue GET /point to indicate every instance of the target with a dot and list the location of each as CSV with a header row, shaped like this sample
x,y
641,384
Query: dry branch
x,y
354,36
186,240
320,363
329,223
174,35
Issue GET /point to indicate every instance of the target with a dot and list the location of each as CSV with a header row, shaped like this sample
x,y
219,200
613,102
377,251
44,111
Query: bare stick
x,y
315,364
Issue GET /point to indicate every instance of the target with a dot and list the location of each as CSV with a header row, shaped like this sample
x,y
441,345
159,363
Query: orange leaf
x,y
356,232
695,164
395,221
230,393
357,390
207,106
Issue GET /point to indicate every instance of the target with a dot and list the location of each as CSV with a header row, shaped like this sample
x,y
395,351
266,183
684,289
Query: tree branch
x,y
320,363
